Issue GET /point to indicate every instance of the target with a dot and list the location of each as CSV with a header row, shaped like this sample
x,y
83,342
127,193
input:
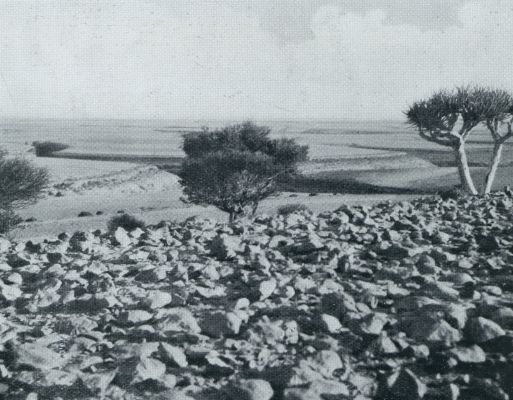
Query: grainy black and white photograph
x,y
256,199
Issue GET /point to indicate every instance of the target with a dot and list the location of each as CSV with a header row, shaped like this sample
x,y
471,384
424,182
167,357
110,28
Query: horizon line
x,y
199,119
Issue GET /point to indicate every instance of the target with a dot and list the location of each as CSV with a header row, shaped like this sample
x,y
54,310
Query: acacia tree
x,y
236,167
447,118
498,118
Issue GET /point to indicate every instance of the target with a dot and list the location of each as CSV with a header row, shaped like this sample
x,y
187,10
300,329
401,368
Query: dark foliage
x,y
235,167
47,148
231,180
125,221
453,193
21,182
245,137
436,117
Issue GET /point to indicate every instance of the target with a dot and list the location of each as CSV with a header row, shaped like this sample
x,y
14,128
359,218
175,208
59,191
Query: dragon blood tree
x,y
447,118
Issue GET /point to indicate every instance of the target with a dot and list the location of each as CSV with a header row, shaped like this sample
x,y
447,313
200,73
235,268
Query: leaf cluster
x,y
245,137
436,117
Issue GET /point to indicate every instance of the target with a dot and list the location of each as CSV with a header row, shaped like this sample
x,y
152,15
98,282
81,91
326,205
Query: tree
x,y
245,137
236,167
21,183
447,118
498,118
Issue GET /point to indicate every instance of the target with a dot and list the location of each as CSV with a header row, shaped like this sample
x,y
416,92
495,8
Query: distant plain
x,y
111,165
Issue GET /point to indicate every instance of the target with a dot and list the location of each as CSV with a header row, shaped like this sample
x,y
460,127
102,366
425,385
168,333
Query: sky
x,y
256,59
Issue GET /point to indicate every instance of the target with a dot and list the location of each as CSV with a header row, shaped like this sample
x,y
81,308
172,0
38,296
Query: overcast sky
x,y
260,59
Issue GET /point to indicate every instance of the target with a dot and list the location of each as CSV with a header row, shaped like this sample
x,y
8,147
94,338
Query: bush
x,y
245,137
453,193
233,181
235,167
8,220
292,208
45,149
21,182
125,221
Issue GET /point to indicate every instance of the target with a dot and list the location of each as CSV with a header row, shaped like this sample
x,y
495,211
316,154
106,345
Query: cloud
x,y
155,59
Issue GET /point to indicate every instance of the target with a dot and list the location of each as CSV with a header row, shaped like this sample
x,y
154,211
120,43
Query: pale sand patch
x,y
59,215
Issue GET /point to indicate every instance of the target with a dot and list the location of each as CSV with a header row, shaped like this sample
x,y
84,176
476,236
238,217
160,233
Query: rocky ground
x,y
399,301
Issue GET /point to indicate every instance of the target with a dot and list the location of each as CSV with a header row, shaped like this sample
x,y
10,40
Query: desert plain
x,y
127,165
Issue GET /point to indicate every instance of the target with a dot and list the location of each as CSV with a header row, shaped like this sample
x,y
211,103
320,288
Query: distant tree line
x,y
449,116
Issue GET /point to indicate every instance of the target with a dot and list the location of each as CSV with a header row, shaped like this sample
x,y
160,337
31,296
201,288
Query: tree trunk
x,y
231,217
254,209
494,164
464,170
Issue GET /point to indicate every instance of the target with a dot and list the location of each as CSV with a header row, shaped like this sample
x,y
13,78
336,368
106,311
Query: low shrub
x,y
453,193
47,148
126,221
21,182
292,208
8,220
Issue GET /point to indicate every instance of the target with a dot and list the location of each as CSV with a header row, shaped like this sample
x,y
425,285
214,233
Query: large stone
x,y
225,247
473,354
176,320
249,389
173,355
39,356
433,331
134,317
220,324
318,390
402,385
479,330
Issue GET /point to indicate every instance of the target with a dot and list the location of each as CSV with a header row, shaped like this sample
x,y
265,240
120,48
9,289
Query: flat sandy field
x,y
113,166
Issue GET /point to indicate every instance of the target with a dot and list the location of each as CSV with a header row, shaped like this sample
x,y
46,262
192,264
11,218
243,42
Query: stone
x,y
122,238
5,245
16,260
152,274
427,265
225,247
175,320
488,244
134,317
157,299
440,290
317,390
221,324
479,330
249,389
403,385
330,323
267,288
434,332
465,263
337,304
473,354
326,362
173,355
371,324
10,292
39,356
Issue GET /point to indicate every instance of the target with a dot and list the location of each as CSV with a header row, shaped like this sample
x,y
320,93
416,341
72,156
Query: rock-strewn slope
x,y
399,301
